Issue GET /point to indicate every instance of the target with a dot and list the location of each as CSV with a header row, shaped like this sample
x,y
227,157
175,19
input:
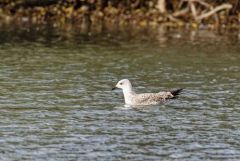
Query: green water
x,y
56,101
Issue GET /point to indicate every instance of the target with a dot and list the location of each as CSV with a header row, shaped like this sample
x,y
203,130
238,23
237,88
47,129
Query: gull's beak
x,y
114,88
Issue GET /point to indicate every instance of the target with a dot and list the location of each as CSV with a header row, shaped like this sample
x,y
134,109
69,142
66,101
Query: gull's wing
x,y
152,98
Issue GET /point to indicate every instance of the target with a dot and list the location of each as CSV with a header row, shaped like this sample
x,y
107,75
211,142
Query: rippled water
x,y
56,101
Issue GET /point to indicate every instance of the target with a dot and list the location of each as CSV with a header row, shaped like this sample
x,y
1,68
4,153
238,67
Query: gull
x,y
132,98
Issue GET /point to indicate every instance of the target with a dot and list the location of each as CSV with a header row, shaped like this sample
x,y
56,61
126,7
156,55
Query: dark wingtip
x,y
176,92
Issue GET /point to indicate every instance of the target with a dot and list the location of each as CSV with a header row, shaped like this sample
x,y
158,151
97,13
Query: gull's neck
x,y
128,94
128,91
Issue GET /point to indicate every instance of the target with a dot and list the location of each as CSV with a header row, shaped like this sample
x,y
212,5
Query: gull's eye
x,y
121,83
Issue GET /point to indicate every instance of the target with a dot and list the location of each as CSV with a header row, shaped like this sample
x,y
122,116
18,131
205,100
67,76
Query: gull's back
x,y
150,98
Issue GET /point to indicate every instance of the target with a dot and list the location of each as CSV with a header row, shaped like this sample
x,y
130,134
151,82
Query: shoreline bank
x,y
95,14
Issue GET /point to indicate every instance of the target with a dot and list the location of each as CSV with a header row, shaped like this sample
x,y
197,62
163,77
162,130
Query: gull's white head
x,y
124,84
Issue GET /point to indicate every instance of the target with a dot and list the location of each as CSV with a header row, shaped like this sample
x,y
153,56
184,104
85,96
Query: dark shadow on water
x,y
161,36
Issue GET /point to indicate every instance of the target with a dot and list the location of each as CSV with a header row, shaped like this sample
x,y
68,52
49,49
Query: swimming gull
x,y
132,98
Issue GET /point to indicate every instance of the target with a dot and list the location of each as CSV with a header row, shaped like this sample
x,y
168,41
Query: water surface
x,y
56,101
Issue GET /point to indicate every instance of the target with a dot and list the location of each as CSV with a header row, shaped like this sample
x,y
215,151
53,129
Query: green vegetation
x,y
114,13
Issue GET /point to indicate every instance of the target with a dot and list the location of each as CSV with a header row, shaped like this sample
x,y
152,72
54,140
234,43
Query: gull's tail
x,y
175,93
